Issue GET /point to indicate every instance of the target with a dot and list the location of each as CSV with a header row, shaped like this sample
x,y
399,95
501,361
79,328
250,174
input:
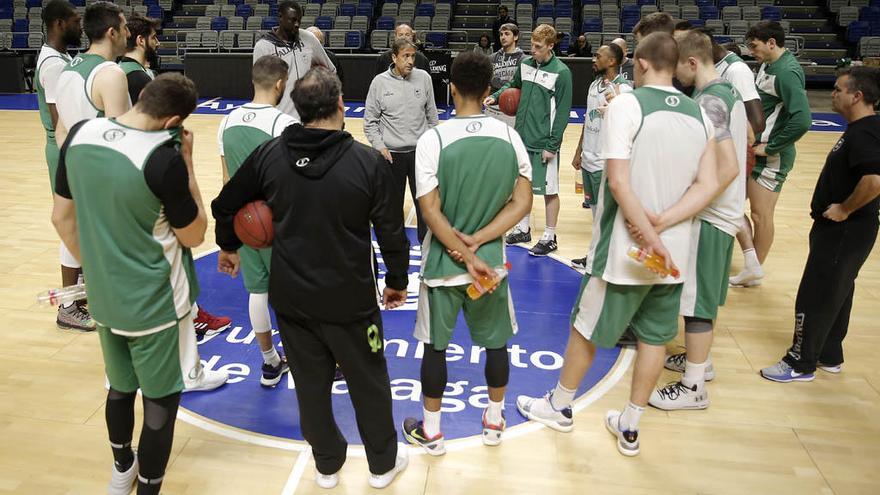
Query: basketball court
x,y
757,437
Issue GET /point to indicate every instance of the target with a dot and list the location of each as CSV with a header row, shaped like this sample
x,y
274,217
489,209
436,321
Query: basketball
x,y
253,225
508,102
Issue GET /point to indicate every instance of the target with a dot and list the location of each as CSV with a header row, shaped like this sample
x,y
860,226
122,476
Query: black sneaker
x,y
544,247
414,433
338,376
585,205
273,374
579,263
518,236
628,337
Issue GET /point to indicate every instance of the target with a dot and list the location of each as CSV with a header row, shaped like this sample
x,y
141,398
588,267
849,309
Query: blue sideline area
x,y
823,122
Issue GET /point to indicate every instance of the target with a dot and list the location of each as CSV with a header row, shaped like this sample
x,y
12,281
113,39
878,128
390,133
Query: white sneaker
x,y
830,369
627,441
122,483
540,410
327,481
492,432
678,362
206,381
383,480
749,277
676,396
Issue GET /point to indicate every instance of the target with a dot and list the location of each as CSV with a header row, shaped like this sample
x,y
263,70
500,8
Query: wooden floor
x,y
758,437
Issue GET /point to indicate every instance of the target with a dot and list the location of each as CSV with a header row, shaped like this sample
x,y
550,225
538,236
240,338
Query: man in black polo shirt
x,y
844,209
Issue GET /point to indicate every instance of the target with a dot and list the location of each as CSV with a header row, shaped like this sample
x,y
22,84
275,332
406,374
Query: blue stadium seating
x,y
771,13
244,10
324,22
219,23
269,23
709,12
592,25
20,26
385,23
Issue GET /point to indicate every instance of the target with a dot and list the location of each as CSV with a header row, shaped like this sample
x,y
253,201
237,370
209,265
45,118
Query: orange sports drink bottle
x,y
651,261
578,187
487,283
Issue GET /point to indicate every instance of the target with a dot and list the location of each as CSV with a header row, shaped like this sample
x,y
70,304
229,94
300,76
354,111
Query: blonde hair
x,y
544,34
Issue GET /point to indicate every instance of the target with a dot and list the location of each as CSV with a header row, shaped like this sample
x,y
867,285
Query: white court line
x,y
299,467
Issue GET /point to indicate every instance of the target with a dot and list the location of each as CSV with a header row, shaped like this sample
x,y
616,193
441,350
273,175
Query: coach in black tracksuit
x,y
844,209
325,190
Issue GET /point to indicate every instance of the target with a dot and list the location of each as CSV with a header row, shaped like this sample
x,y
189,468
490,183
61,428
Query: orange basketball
x,y
508,102
253,224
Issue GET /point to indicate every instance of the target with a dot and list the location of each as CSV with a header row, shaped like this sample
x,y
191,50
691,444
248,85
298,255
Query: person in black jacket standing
x,y
844,208
325,190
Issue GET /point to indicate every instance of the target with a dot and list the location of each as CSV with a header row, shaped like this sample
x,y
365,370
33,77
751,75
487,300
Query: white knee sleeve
x,y
67,258
258,309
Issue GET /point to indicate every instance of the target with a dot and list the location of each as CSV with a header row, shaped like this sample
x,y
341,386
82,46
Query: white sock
x,y
751,259
493,414
694,374
629,419
431,424
562,397
549,233
523,224
195,310
271,357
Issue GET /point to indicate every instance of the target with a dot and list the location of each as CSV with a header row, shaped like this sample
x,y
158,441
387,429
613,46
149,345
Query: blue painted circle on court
x,y
543,293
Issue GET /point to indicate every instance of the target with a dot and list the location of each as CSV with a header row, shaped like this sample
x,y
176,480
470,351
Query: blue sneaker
x,y
783,373
273,374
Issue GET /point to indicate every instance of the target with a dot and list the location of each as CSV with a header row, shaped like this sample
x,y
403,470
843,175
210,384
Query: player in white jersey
x,y
645,131
240,133
714,228
93,85
609,83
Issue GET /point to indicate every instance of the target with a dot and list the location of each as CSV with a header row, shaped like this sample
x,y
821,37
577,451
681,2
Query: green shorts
x,y
52,157
545,176
706,286
490,319
604,310
770,171
255,269
592,183
150,362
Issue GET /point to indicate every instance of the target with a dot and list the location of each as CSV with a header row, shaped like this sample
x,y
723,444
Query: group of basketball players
x,y
128,206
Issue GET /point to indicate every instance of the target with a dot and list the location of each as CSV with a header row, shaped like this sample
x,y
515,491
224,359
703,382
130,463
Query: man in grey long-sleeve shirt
x,y
298,47
400,108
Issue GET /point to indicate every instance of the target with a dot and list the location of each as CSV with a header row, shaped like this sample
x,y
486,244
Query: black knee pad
x,y
433,372
497,367
156,438
693,324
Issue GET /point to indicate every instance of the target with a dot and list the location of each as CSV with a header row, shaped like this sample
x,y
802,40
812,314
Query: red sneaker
x,y
207,324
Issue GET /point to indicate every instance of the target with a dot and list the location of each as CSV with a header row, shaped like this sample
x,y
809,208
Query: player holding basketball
x,y
780,84
62,29
473,175
609,83
240,133
541,118
715,226
644,132
504,64
140,229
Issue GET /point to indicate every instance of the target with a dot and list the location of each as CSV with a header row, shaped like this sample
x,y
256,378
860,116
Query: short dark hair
x,y
471,73
139,25
864,79
290,4
764,30
171,94
100,17
509,26
660,50
655,22
683,26
268,70
695,44
400,44
733,47
316,95
56,10
616,53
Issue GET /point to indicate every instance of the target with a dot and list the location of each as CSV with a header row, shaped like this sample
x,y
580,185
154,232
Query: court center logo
x,y
543,292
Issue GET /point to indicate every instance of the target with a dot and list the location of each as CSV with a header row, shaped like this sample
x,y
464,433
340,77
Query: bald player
x,y
383,62
626,67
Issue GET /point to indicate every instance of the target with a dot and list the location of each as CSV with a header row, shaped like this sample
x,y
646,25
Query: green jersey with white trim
x,y
662,133
597,97
784,98
474,162
141,280
74,102
50,64
246,128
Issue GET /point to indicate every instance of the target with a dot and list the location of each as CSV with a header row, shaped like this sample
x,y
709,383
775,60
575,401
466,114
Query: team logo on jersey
x,y
113,135
837,145
543,291
76,61
249,116
302,162
474,127
672,101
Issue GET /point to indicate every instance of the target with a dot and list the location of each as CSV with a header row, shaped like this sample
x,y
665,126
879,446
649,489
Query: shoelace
x,y
678,359
673,391
82,315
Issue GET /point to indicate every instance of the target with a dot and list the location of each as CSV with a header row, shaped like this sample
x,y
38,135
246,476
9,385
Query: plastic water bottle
x,y
488,283
652,261
64,295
